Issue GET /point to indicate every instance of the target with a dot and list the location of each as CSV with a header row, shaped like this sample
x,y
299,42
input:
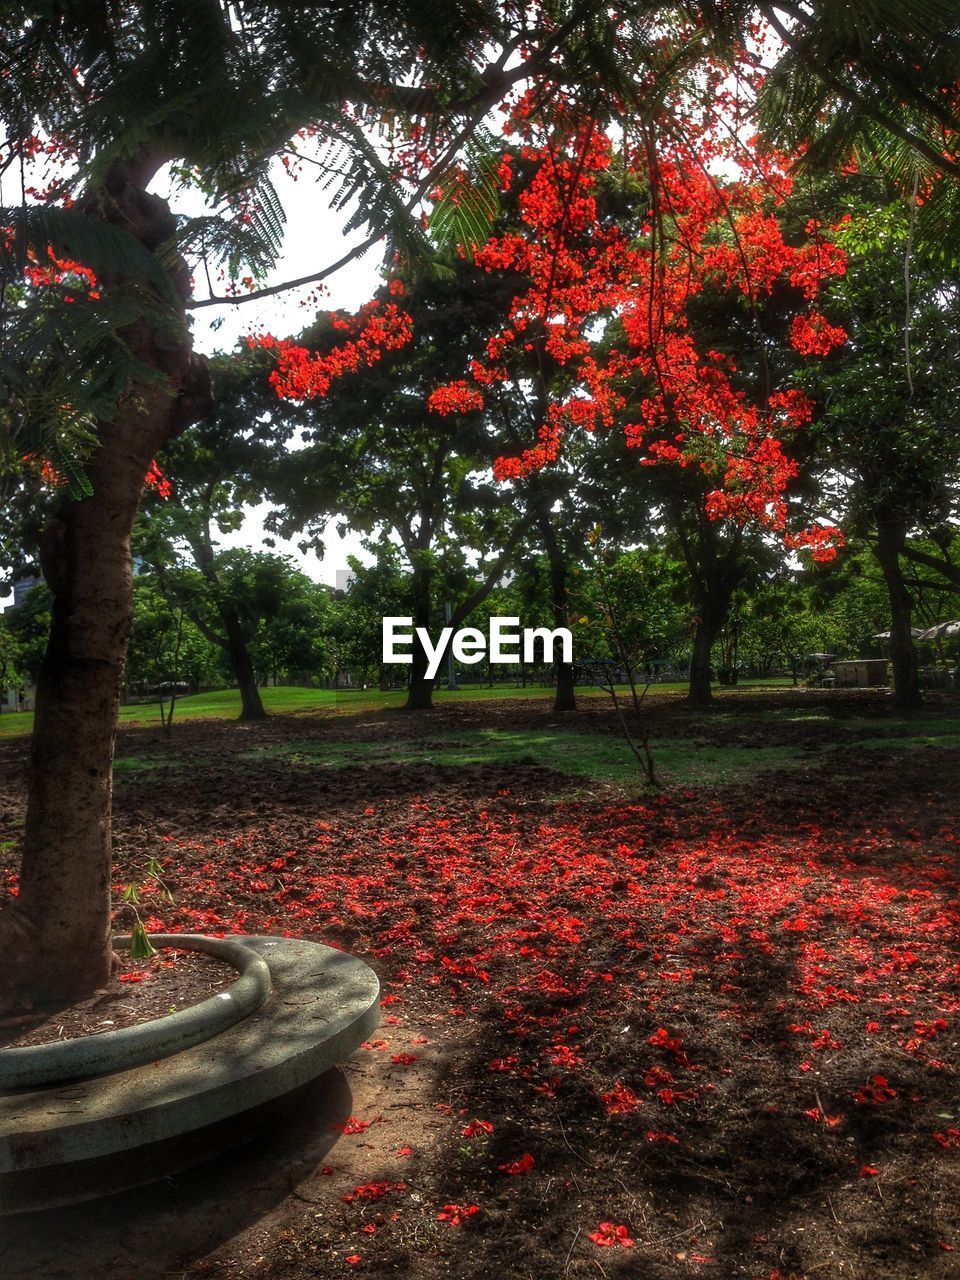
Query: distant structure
x,y
21,588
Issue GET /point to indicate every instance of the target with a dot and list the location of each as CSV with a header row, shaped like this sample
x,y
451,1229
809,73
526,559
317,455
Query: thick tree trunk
x,y
713,614
700,692
420,692
55,942
251,704
891,536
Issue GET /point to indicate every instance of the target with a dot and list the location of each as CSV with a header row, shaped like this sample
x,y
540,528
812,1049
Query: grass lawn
x,y
225,703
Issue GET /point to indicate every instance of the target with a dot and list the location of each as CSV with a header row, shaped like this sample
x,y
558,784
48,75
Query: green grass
x,y
145,766
224,704
934,738
596,757
589,756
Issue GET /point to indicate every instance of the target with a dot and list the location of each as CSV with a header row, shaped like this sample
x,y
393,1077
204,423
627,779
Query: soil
x,y
722,1020
140,991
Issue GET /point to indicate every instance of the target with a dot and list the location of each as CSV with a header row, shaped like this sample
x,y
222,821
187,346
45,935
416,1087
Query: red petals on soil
x,y
608,1233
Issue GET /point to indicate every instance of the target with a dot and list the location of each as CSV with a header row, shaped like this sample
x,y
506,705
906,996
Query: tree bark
x,y
700,692
891,537
714,608
232,641
565,698
251,704
55,940
716,569
420,691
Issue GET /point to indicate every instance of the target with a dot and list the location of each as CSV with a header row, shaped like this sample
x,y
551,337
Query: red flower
x,y
608,1234
372,1191
876,1090
455,397
476,1127
353,1125
813,335
620,1100
155,479
455,1213
523,1165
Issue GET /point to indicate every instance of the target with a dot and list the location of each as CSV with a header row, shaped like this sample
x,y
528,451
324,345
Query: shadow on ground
x,y
158,1231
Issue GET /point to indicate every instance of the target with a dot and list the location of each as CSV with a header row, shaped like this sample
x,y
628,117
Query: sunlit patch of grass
x,y
920,740
594,757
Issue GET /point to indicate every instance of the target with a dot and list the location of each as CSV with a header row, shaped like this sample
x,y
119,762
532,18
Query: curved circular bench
x,y
61,1143
63,1060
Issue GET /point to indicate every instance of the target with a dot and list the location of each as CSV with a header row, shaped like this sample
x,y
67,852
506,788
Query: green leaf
x,y
77,481
468,206
140,945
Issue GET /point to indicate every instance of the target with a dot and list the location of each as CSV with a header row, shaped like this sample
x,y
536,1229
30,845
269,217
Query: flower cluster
x,y
302,375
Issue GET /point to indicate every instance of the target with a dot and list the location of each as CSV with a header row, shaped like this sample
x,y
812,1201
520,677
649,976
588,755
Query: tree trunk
x,y
565,698
420,692
710,622
891,536
232,640
251,704
55,941
700,693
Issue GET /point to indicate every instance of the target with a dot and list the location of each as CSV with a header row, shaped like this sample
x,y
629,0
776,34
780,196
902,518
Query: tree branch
x,y
949,571
466,607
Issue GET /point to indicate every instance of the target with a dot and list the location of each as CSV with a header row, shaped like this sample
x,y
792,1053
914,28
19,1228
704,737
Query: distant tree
x,y
296,642
251,605
372,593
390,463
635,611
29,624
165,646
888,436
10,662
225,461
847,604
